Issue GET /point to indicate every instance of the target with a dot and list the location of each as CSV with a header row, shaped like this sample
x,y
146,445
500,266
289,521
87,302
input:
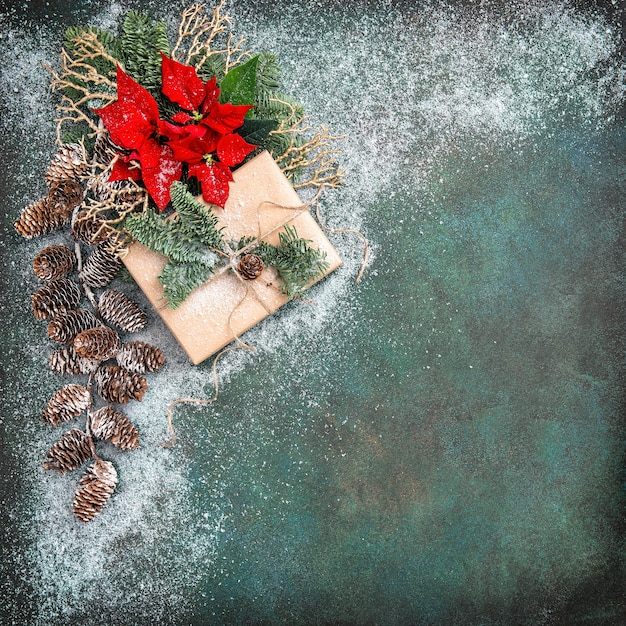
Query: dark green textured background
x,y
449,450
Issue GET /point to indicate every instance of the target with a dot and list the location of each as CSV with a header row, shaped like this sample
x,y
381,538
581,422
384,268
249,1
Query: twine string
x,y
250,289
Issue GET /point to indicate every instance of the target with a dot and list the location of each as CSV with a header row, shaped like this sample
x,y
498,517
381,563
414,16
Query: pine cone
x,y
54,262
116,308
99,343
94,490
39,218
67,403
118,386
250,266
63,328
65,360
57,297
69,162
100,268
69,452
64,195
90,229
140,357
108,424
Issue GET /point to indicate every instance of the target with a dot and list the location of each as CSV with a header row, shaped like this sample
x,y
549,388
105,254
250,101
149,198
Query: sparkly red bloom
x,y
206,142
134,124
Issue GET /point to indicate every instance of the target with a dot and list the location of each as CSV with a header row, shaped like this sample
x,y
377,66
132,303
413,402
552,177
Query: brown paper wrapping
x,y
226,307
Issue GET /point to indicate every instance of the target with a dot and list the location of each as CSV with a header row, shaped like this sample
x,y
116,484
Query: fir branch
x,y
141,44
180,279
296,262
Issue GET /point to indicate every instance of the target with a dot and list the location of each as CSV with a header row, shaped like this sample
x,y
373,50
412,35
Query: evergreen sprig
x,y
195,248
141,43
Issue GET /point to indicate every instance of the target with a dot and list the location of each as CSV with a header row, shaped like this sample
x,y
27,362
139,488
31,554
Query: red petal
x,y
233,149
225,118
159,179
212,94
182,118
133,116
214,180
124,171
192,149
181,84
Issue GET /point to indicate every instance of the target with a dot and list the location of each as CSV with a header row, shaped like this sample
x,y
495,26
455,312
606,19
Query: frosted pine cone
x,y
69,162
250,266
66,360
64,195
54,262
116,308
57,297
39,218
94,490
118,386
111,425
69,452
99,343
90,229
65,404
63,328
140,357
100,268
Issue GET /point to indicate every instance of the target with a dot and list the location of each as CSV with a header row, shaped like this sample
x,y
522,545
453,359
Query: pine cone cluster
x,y
108,424
69,402
99,343
94,490
100,268
64,327
119,386
57,297
250,266
89,344
140,357
69,452
119,310
54,262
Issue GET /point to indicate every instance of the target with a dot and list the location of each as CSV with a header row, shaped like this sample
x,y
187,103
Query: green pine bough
x,y
195,248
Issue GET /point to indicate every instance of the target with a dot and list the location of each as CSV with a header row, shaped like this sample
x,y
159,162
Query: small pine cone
x,y
54,262
63,328
140,357
250,266
118,386
69,162
108,424
38,219
100,268
69,452
65,360
94,490
90,229
57,297
67,403
65,195
99,343
119,310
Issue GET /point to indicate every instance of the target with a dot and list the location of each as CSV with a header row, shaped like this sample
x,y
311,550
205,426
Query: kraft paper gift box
x,y
261,202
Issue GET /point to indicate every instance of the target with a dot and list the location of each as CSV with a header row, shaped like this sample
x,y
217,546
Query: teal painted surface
x,y
442,443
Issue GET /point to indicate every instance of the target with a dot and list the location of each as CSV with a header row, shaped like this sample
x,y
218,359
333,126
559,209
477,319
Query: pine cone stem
x,y
79,266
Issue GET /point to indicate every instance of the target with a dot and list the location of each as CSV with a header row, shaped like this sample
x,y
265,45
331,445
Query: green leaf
x,y
239,85
257,131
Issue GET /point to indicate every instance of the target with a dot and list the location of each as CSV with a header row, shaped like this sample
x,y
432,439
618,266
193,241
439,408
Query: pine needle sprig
x,y
141,44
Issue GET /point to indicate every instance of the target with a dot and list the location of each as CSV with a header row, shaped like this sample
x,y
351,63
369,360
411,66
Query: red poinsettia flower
x,y
182,85
134,124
